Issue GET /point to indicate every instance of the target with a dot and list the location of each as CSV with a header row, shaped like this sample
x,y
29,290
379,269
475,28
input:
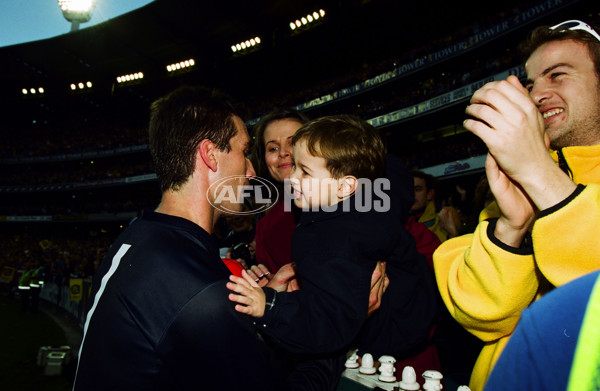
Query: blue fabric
x,y
540,353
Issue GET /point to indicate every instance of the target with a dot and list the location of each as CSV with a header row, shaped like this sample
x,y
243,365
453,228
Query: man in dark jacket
x,y
160,318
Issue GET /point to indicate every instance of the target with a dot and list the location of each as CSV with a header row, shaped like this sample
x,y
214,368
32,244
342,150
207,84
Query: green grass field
x,y
23,334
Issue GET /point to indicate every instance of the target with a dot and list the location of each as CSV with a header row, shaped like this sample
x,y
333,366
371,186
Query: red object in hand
x,y
234,266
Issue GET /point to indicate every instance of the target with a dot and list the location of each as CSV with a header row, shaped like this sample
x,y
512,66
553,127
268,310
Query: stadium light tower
x,y
77,11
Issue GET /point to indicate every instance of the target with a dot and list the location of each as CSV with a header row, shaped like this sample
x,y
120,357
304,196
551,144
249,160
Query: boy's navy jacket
x,y
336,253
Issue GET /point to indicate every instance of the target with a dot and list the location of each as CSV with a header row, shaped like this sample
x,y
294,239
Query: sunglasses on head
x,y
577,25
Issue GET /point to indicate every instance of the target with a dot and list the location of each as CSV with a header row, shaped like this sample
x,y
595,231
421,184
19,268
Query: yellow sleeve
x,y
566,237
485,285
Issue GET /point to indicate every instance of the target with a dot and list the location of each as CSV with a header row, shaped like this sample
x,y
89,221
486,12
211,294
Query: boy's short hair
x,y
349,145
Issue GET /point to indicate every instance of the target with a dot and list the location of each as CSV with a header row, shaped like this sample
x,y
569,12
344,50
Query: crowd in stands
x,y
352,76
69,136
61,254
70,204
460,147
99,172
89,170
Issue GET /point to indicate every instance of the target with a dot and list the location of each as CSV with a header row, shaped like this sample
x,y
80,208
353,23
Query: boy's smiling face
x,y
312,183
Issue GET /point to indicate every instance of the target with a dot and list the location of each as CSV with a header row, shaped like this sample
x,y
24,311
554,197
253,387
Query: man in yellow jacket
x,y
542,231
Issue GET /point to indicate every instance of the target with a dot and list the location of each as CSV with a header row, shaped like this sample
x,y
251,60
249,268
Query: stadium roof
x,y
167,31
147,39
353,33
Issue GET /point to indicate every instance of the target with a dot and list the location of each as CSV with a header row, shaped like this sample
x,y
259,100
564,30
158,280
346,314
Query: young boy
x,y
351,219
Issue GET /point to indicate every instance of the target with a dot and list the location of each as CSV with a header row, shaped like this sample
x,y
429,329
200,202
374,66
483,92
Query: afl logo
x,y
229,195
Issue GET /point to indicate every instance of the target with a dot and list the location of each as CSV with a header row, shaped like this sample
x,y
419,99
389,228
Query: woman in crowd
x,y
272,160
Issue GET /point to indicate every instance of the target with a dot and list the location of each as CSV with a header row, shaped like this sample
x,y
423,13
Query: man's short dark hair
x,y
179,121
543,34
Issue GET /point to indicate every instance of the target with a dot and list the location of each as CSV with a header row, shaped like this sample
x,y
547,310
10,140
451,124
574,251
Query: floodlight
x,y
247,44
81,85
33,91
183,64
307,20
77,11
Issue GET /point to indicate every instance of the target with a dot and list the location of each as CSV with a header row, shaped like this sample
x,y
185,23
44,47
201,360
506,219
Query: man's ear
x,y
206,151
347,186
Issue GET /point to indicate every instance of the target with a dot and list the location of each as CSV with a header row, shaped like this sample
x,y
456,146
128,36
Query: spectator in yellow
x,y
542,230
443,221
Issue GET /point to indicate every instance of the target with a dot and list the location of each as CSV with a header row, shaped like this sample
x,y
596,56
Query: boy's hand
x,y
250,297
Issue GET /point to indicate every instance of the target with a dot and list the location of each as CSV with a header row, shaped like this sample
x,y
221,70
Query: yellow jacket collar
x,y
583,161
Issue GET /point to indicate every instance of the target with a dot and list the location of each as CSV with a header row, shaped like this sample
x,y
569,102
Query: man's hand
x,y
510,124
520,171
285,280
450,221
379,284
517,211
